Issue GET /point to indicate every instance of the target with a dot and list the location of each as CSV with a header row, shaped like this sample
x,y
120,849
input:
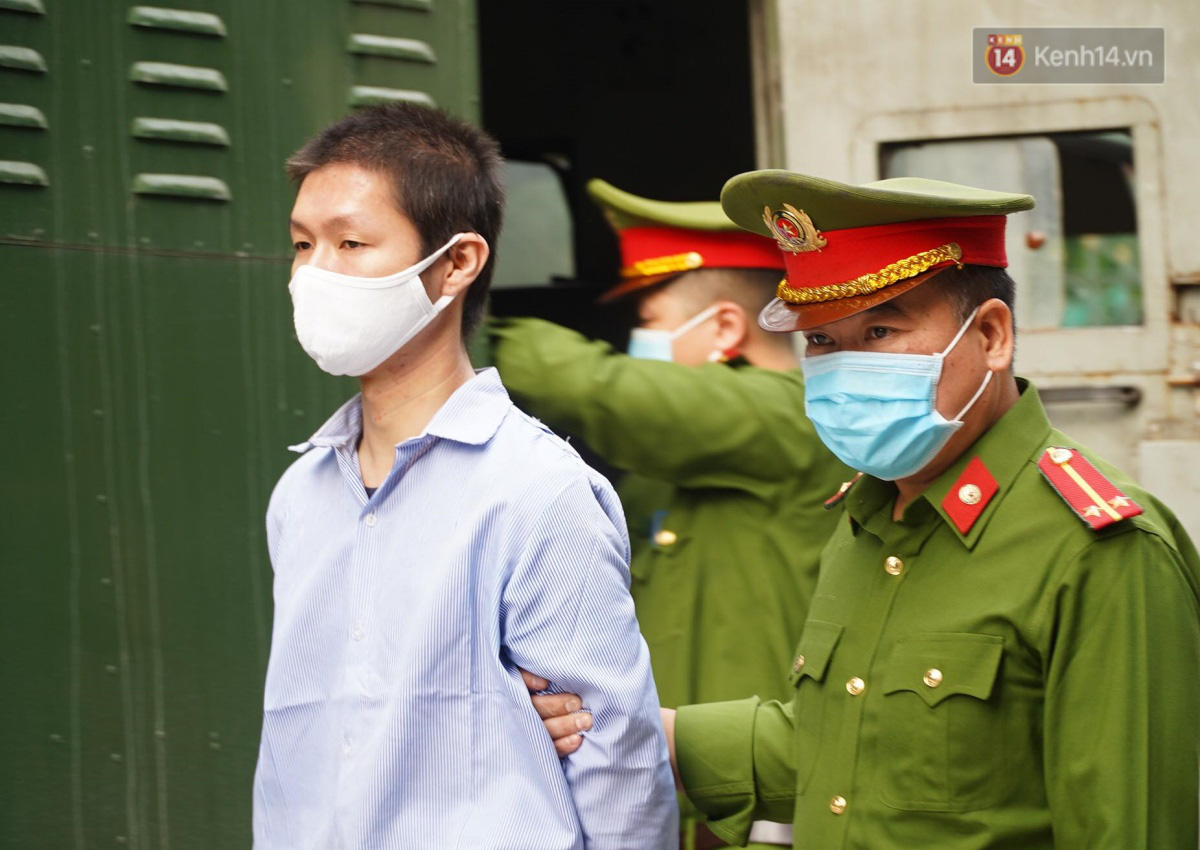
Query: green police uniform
x,y
1015,662
1028,683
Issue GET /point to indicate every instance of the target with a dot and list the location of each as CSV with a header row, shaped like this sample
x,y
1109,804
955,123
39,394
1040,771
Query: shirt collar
x,y
471,415
1004,449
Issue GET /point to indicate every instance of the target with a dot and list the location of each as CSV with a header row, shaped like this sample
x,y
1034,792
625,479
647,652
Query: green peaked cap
x,y
838,206
624,210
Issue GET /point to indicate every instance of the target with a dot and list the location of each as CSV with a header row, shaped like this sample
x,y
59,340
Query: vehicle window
x,y
1075,256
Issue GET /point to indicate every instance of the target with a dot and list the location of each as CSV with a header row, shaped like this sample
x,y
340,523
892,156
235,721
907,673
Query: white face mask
x,y
650,344
350,325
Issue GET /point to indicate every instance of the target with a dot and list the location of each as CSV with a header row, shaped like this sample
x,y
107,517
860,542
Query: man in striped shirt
x,y
431,539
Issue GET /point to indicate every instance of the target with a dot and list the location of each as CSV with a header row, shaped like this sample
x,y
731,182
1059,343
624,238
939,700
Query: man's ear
x,y
995,322
732,325
463,262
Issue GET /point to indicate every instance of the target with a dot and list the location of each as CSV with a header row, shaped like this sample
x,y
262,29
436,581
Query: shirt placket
x,y
360,681
884,556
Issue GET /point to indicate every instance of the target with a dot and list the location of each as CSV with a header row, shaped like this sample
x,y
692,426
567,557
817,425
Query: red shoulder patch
x,y
836,499
1092,497
969,495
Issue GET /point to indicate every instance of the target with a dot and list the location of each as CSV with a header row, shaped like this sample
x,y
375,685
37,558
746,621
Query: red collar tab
x,y
1092,497
649,251
969,495
836,499
862,260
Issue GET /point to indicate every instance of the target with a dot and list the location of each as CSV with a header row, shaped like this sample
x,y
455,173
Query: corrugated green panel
x,y
449,78
420,5
182,186
21,58
23,173
137,615
406,49
152,381
181,76
34,7
22,115
190,132
180,20
371,95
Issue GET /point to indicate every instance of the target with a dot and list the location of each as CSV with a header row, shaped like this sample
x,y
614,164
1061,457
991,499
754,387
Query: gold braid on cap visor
x,y
664,265
868,283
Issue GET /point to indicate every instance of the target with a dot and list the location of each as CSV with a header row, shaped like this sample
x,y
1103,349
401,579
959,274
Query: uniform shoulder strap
x,y
836,499
1087,491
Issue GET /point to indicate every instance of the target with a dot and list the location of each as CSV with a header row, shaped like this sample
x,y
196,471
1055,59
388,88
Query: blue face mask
x,y
878,412
648,344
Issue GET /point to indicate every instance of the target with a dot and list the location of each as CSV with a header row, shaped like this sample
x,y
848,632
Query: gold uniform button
x,y
837,805
893,565
856,686
798,664
665,537
933,677
970,494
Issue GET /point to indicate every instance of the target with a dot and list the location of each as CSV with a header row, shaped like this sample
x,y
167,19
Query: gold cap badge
x,y
794,231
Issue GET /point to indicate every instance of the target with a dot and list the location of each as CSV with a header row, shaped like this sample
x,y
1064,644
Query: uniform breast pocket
x,y
813,654
942,741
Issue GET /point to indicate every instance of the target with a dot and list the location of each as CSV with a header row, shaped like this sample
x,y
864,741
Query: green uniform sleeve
x,y
1122,712
735,762
705,426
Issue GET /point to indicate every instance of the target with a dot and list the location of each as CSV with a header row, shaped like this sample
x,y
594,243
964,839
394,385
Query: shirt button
x,y
666,537
370,520
933,677
347,745
837,805
798,664
358,630
856,686
893,565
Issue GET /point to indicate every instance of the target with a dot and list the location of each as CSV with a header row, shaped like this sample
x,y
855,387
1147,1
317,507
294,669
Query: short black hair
x,y
447,177
751,288
970,286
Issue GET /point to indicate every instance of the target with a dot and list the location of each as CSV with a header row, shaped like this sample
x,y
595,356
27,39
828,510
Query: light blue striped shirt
x,y
394,714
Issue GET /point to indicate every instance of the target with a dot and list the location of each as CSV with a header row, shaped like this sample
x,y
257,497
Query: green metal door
x,y
150,382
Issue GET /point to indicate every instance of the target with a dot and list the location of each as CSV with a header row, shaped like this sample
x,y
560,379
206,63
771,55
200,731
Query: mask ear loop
x,y
443,302
695,321
987,379
961,331
975,397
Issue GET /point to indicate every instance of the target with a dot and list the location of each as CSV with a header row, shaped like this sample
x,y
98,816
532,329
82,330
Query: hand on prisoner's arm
x,y
558,713
563,726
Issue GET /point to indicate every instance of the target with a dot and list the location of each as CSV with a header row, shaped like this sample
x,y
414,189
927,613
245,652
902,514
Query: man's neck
x,y
402,396
990,409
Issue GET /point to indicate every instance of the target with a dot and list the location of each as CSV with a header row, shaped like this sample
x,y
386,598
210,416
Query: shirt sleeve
x,y
735,761
569,618
702,426
1122,710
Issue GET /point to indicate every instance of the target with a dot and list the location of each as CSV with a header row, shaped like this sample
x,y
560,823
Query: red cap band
x,y
653,250
859,251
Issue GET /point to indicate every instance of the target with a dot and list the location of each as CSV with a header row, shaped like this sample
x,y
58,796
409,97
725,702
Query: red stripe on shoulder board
x,y
1093,498
836,499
